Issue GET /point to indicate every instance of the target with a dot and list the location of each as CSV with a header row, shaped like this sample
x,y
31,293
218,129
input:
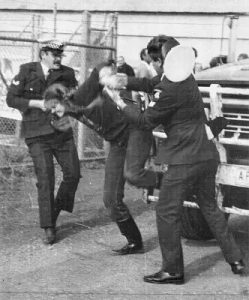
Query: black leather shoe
x,y
238,267
162,277
49,238
130,248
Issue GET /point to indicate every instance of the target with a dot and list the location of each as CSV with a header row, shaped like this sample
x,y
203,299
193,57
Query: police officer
x,y
191,157
42,134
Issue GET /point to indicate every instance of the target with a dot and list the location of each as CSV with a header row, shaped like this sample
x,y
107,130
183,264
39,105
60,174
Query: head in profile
x,y
120,61
144,56
218,61
242,56
51,53
171,58
158,47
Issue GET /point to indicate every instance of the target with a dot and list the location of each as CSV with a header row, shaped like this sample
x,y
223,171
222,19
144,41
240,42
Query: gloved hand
x,y
217,125
61,124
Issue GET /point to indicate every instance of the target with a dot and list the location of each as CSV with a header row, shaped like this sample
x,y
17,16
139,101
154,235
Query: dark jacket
x,y
30,83
109,121
179,108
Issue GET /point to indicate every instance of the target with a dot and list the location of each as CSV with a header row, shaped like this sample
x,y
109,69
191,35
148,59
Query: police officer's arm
x,y
122,81
142,84
15,93
157,112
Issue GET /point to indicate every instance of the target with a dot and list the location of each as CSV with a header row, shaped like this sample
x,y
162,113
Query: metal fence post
x,y
115,35
55,18
232,38
33,37
36,32
85,39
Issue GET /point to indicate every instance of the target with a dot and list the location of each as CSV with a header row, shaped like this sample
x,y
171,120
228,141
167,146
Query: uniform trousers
x,y
178,181
42,150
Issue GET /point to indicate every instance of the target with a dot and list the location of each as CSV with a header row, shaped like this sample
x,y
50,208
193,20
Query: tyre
x,y
194,226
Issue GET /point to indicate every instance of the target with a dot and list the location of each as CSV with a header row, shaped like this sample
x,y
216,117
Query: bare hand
x,y
42,105
38,104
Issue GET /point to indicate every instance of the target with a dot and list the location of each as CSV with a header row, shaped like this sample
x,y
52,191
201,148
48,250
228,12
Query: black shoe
x,y
130,248
238,267
49,238
129,229
162,277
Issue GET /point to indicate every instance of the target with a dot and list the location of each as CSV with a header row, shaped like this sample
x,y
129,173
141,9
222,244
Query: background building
x,y
205,25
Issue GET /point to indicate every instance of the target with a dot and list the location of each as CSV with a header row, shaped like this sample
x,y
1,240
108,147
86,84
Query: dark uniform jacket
x,y
179,108
30,83
109,121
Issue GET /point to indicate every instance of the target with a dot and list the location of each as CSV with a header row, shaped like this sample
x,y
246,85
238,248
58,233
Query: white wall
x,y
199,31
135,30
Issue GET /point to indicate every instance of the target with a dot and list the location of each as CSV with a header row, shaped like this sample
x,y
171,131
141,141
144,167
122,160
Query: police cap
x,y
53,46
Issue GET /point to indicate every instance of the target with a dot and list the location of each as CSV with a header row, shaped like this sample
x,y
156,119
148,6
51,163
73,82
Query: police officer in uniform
x,y
43,134
191,157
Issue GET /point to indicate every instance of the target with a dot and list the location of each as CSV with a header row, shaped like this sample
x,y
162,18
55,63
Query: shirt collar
x,y
162,77
44,69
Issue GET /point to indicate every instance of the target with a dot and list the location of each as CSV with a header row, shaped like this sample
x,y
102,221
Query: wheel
x,y
194,226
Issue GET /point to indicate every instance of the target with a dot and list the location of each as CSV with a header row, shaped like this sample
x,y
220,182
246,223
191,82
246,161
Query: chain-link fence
x,y
81,57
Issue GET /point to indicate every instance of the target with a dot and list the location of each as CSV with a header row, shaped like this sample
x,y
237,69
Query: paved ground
x,y
81,264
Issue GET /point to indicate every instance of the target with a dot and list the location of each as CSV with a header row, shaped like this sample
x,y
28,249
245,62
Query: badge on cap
x,y
52,45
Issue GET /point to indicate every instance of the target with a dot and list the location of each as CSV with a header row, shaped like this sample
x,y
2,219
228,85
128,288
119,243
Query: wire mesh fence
x,y
16,51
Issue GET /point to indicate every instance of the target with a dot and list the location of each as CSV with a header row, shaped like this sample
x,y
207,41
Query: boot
x,y
159,177
129,229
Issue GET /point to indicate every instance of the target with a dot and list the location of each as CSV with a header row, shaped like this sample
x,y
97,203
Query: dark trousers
x,y
126,162
178,181
42,151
